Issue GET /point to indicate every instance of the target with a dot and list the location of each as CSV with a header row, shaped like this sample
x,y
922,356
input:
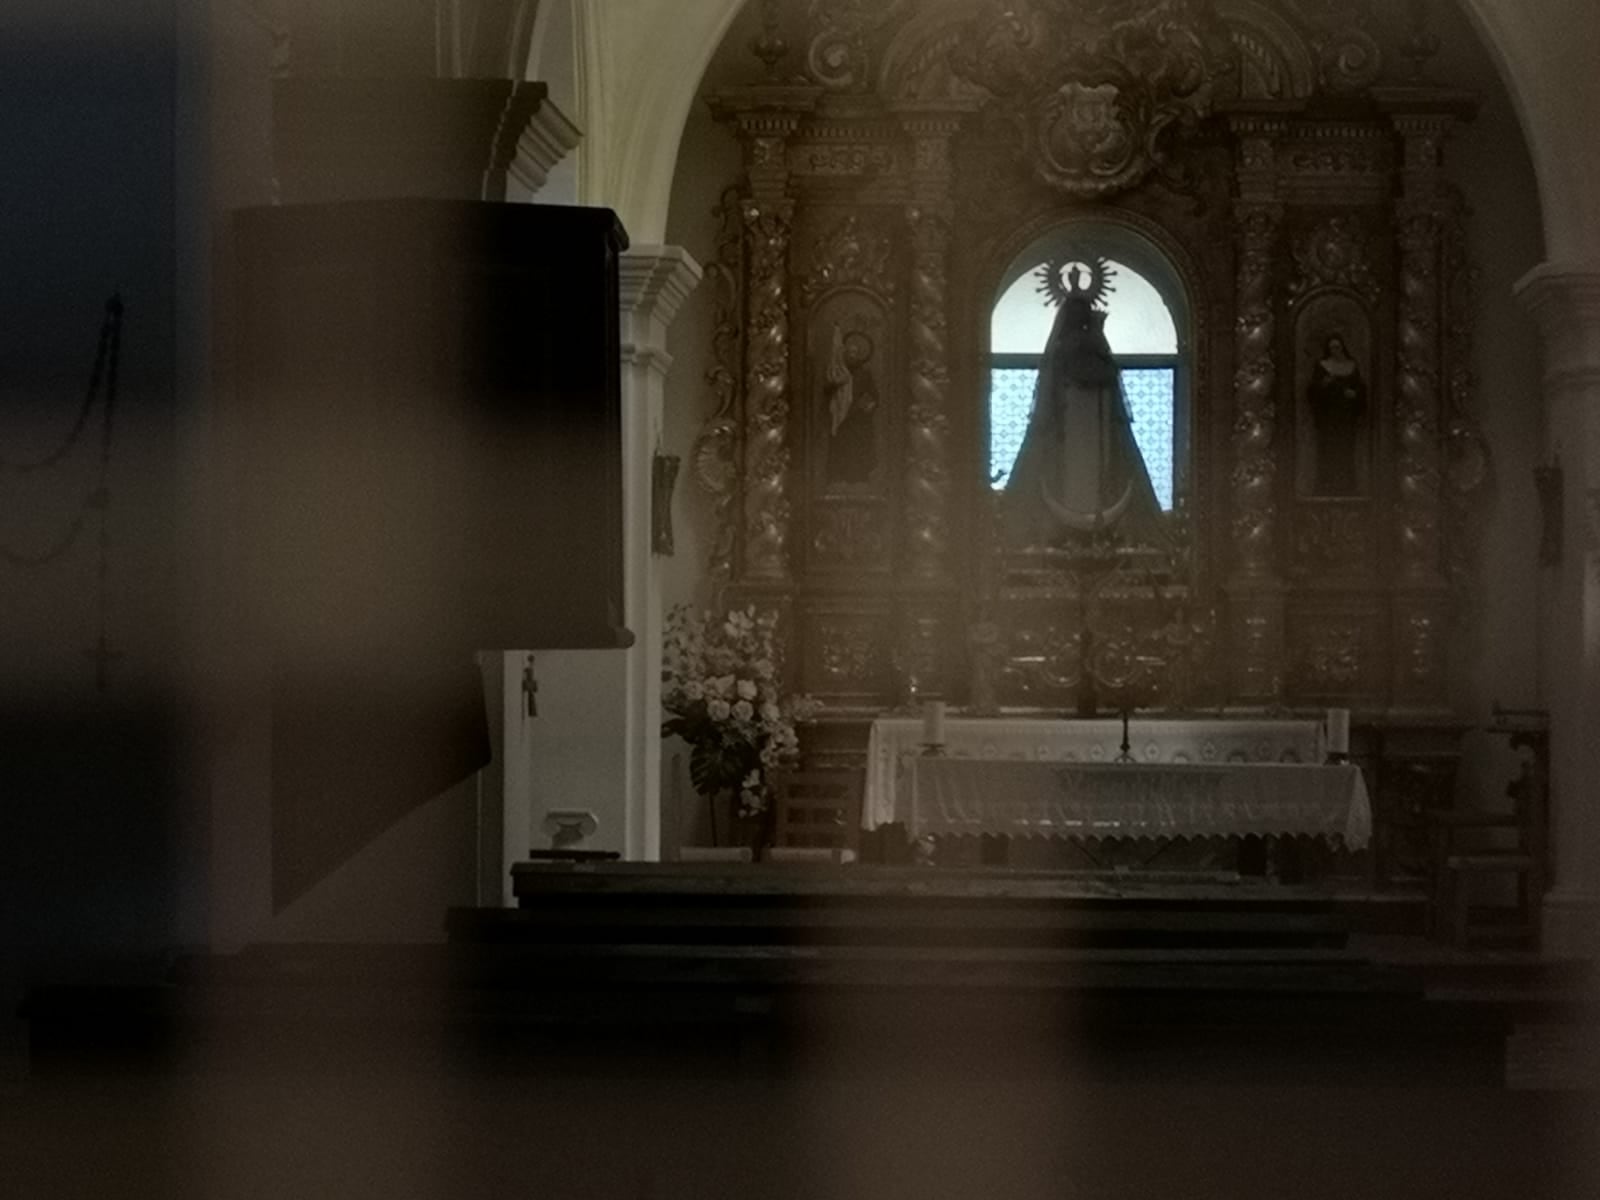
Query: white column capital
x,y
1564,298
549,137
655,281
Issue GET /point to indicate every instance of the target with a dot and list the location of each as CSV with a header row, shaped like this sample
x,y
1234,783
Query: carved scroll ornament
x,y
1091,86
716,451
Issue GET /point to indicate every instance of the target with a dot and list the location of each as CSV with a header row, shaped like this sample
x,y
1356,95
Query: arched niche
x,y
1149,327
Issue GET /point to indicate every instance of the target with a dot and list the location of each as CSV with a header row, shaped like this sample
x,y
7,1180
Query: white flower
x,y
763,668
742,710
718,709
723,685
746,689
771,713
694,690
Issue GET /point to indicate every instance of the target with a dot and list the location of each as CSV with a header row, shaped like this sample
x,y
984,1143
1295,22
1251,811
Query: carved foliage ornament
x,y
1348,56
846,159
919,655
1420,648
1335,253
850,537
1332,538
927,480
1255,382
1468,464
1418,415
766,447
849,255
716,451
849,651
1332,654
1092,85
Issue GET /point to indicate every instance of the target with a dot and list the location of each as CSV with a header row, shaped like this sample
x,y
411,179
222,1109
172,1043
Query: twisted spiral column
x,y
928,427
1255,382
1421,609
766,419
1256,592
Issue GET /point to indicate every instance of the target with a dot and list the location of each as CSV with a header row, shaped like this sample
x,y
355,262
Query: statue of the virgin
x,y
1079,469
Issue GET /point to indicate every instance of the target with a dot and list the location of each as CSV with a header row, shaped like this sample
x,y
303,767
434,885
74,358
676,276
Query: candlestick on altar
x,y
933,727
1338,725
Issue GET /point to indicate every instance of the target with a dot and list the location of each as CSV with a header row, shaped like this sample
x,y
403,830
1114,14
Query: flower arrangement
x,y
720,686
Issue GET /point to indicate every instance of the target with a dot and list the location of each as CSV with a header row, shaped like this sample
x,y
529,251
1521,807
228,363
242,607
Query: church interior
x,y
653,598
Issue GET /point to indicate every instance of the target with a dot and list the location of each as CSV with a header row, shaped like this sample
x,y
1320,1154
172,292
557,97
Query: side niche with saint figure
x,y
850,395
1080,469
1336,397
1334,360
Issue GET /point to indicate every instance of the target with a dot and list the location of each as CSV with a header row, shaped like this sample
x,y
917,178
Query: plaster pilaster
x,y
655,280
1565,301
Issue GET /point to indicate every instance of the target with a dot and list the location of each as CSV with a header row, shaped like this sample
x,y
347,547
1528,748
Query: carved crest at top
x,y
1092,85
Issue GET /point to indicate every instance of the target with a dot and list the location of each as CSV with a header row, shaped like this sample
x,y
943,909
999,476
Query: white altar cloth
x,y
892,741
1153,800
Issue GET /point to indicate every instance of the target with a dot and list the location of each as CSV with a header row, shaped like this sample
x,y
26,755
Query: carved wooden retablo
x,y
1281,159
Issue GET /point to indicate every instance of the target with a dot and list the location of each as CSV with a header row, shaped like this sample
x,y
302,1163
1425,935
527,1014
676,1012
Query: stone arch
x,y
1545,62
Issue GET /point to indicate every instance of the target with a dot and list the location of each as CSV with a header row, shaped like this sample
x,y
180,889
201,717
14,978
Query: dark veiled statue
x,y
1079,470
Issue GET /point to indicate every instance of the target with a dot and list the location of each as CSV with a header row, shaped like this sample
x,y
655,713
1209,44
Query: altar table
x,y
894,741
1133,800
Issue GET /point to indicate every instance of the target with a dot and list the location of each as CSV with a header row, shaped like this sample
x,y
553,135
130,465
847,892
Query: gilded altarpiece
x,y
1287,162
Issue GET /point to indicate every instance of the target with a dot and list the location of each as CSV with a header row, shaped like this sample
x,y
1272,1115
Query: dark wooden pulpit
x,y
430,396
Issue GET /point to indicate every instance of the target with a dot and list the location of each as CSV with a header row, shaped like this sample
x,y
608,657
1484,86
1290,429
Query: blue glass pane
x,y
1010,402
1149,393
1150,399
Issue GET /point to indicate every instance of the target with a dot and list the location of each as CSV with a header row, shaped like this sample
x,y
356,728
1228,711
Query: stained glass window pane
x,y
1010,402
1150,403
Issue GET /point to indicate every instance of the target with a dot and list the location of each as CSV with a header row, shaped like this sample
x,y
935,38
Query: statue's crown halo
x,y
1057,285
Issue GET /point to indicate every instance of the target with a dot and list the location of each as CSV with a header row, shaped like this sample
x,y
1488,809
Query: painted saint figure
x,y
1337,398
1079,468
851,392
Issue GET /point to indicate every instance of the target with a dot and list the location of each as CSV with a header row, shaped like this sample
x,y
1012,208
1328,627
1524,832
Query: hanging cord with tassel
x,y
98,500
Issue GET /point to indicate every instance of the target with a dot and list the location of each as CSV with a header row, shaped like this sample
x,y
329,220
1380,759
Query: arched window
x,y
1143,333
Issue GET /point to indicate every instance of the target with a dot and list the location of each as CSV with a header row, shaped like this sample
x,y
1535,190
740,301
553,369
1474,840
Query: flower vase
x,y
746,829
722,814
730,828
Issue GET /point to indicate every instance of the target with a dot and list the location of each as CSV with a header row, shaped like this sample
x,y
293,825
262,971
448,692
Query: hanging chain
x,y
98,500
